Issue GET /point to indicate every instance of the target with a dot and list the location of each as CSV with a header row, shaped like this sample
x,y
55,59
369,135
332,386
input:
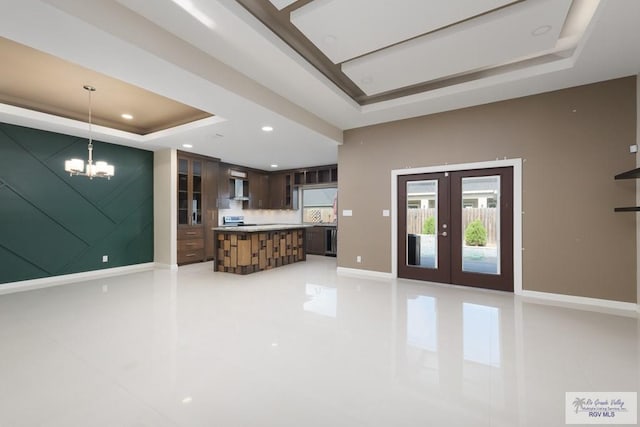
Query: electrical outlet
x,y
105,258
358,259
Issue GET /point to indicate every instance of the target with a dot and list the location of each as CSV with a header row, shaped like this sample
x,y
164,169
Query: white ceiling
x,y
245,75
498,38
343,30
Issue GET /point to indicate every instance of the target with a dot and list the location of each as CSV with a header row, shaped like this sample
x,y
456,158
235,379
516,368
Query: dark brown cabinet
x,y
197,210
258,190
316,242
277,191
322,240
224,188
190,226
210,215
316,175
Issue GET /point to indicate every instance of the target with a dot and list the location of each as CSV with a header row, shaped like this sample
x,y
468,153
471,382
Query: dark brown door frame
x,y
452,273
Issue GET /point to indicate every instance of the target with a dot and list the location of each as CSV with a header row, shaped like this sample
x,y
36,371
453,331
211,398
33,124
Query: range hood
x,y
240,188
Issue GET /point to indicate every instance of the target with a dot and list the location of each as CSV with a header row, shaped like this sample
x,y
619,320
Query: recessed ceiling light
x,y
126,116
187,145
187,399
267,128
274,165
544,29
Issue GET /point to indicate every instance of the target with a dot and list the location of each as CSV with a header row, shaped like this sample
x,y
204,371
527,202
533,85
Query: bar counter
x,y
248,249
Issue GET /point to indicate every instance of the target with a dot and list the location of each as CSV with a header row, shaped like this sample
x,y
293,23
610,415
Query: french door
x,y
457,227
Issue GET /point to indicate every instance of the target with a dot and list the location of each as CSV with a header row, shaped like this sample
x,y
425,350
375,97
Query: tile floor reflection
x,y
298,346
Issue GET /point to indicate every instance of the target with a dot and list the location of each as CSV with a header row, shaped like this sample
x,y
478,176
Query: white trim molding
x,y
517,208
162,266
369,274
580,302
46,282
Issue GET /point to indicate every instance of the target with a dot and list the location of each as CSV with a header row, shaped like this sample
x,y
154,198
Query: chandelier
x,y
76,166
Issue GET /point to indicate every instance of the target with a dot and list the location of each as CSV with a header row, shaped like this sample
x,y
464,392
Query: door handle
x,y
443,234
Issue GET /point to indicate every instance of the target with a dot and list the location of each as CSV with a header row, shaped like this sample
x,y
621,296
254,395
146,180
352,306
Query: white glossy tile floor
x,y
299,346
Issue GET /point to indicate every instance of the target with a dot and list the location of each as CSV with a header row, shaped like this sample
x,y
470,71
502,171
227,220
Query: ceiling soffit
x,y
60,92
376,52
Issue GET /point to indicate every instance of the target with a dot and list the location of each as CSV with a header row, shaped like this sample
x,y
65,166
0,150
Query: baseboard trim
x,y
161,266
583,301
46,282
363,273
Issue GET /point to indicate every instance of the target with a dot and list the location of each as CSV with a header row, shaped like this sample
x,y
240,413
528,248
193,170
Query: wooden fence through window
x,y
488,217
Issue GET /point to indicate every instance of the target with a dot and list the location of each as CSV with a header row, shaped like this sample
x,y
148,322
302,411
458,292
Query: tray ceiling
x,y
377,51
59,92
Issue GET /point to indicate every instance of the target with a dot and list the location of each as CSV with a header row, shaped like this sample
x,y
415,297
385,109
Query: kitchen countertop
x,y
258,228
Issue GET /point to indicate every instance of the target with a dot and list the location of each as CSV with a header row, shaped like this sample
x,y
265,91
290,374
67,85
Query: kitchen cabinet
x,y
197,194
277,191
210,216
316,241
258,190
190,226
322,240
224,188
316,175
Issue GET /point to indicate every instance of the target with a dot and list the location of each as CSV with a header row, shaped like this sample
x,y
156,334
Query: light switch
x,y
385,212
347,212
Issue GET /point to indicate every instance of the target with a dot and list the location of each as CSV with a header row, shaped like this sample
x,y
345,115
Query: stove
x,y
233,221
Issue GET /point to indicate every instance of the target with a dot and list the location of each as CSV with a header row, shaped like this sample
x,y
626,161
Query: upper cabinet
x,y
277,191
224,189
258,190
316,175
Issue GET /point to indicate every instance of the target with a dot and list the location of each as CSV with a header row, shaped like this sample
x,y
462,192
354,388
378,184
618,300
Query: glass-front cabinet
x,y
191,233
189,191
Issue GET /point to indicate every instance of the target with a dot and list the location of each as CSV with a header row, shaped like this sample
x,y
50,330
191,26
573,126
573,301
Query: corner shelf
x,y
632,174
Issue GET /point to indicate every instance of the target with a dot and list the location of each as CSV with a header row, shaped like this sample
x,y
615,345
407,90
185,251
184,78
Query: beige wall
x,y
574,243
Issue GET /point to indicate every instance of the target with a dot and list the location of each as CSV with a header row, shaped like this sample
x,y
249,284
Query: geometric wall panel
x,y
53,224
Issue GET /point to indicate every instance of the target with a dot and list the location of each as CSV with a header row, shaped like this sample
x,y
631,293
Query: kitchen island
x,y
247,249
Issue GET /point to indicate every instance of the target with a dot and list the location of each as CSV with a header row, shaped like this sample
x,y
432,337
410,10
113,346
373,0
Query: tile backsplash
x,y
261,216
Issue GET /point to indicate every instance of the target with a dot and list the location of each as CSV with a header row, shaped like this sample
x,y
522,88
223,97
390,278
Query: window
x,y
319,205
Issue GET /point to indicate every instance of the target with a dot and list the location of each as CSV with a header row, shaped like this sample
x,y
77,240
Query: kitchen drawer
x,y
190,245
190,233
195,255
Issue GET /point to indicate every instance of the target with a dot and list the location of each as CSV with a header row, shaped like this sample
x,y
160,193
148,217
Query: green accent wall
x,y
53,224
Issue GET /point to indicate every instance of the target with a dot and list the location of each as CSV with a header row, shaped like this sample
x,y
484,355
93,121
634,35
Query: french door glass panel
x,y
481,224
422,223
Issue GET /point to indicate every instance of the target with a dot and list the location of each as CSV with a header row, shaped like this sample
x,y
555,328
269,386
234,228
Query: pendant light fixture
x,y
99,169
